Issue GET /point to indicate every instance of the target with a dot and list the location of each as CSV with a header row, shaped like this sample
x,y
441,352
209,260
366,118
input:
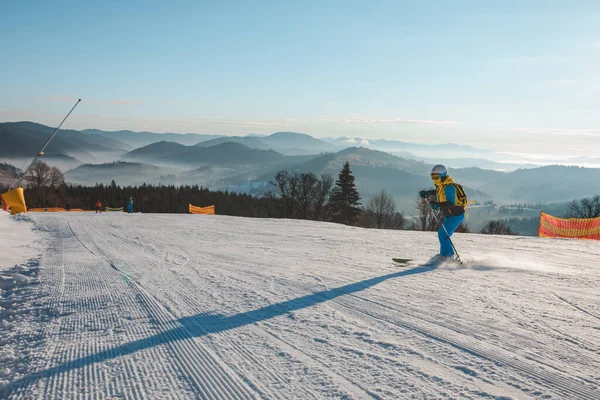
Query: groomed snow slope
x,y
192,306
17,240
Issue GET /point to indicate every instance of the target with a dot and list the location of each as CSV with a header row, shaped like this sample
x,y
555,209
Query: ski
x,y
401,260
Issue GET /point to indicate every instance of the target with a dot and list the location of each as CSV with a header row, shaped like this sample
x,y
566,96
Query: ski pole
x,y
41,152
445,230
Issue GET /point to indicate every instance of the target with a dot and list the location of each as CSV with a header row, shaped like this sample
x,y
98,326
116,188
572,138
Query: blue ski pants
x,y
450,223
130,208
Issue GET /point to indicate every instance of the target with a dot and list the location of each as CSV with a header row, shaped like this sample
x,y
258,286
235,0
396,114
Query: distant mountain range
x,y
139,139
7,173
429,150
230,153
288,143
125,173
24,139
248,163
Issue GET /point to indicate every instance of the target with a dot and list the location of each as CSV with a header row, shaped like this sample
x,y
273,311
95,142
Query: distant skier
x,y
130,206
98,205
68,207
451,199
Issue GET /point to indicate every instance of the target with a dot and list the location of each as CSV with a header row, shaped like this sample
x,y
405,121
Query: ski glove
x,y
426,193
444,205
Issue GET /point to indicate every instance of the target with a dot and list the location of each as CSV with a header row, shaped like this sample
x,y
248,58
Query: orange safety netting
x,y
202,210
57,209
579,228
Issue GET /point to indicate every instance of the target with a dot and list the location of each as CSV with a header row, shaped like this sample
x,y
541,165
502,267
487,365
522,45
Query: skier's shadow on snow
x,y
205,324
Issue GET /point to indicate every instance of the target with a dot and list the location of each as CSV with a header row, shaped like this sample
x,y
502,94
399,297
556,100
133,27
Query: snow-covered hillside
x,y
191,306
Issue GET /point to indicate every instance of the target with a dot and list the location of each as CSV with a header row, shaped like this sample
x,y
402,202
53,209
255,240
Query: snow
x,y
18,242
195,306
19,249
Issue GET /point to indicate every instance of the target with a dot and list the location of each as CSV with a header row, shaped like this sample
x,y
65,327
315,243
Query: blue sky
x,y
521,76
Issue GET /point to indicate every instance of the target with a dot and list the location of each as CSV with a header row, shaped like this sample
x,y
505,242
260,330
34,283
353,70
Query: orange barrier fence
x,y
202,210
579,228
57,209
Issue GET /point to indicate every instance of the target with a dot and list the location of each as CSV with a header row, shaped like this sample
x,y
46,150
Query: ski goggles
x,y
435,176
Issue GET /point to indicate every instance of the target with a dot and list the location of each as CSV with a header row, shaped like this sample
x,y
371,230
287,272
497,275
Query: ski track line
x,y
555,380
519,340
310,289
199,362
577,307
175,292
308,360
182,344
71,305
217,380
186,347
179,354
195,310
244,353
565,353
52,282
343,381
445,338
514,312
522,339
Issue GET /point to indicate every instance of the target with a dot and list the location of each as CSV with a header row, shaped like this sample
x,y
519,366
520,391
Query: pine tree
x,y
345,198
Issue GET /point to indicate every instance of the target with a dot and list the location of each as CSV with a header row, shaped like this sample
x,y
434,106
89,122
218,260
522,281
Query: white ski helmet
x,y
439,169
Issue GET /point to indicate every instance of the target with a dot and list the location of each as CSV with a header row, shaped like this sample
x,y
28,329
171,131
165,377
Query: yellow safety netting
x,y
15,200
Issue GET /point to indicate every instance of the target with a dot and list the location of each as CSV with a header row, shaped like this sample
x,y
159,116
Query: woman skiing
x,y
451,199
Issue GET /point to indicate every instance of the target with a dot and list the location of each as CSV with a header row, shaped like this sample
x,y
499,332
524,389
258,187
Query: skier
x,y
451,200
98,205
130,206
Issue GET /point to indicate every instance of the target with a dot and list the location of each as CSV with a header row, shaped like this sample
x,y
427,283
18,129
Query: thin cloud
x,y
357,119
71,99
536,60
58,99
126,101
223,124
358,141
187,122
565,132
590,90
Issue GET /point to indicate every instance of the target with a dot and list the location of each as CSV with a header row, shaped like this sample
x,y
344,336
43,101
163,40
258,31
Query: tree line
x,y
294,195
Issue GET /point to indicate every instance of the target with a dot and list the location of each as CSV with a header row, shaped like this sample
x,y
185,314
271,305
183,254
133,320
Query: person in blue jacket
x,y
444,198
130,206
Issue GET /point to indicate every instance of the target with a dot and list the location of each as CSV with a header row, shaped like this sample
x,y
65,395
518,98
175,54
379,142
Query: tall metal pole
x,y
41,152
445,230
